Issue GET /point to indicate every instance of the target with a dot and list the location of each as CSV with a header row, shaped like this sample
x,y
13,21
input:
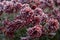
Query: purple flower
x,y
35,31
52,25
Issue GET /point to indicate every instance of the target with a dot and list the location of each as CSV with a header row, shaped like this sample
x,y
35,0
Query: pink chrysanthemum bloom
x,y
8,7
49,3
19,23
36,20
56,13
26,14
35,31
38,11
52,25
17,6
42,4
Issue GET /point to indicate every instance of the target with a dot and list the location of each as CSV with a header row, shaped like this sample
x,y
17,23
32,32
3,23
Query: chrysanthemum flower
x,y
52,25
35,31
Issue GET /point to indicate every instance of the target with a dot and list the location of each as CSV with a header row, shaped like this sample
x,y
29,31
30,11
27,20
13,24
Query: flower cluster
x,y
42,14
